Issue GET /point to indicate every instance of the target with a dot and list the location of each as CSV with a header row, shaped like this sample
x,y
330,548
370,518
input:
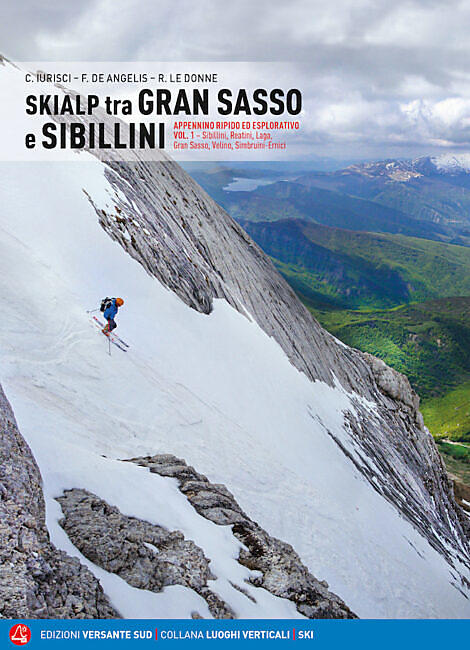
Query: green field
x,y
458,451
449,416
428,340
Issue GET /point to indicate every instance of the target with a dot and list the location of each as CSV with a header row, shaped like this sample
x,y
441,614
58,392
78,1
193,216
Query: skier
x,y
111,306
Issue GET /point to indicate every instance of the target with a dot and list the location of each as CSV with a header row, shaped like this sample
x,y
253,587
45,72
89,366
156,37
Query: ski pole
x,y
91,311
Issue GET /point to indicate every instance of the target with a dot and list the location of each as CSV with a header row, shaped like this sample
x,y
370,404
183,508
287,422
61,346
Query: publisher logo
x,y
20,634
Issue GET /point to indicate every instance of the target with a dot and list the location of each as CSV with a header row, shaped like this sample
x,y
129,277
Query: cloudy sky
x,y
380,78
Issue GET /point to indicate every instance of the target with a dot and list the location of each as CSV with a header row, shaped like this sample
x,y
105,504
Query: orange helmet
x,y
119,302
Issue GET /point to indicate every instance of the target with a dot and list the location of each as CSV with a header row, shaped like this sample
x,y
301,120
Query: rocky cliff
x,y
36,579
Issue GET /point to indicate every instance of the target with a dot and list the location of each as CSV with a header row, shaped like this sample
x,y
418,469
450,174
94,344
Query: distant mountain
x,y
431,189
427,198
446,164
283,200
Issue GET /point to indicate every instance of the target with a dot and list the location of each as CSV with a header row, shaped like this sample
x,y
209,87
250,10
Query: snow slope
x,y
214,389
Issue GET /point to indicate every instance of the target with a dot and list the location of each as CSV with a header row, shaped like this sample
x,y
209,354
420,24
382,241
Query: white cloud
x,y
375,74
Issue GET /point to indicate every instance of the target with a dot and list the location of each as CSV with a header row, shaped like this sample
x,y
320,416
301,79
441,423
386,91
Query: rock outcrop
x,y
395,386
146,556
282,571
36,579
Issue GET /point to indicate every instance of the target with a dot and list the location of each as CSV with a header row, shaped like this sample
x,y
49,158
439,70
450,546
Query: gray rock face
x,y
36,580
400,437
394,385
145,555
283,573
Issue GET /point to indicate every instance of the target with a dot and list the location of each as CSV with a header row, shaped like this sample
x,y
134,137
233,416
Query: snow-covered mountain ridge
x,y
446,164
451,163
321,446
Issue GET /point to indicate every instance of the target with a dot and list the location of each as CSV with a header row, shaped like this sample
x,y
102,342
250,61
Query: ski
x,y
126,345
112,337
118,345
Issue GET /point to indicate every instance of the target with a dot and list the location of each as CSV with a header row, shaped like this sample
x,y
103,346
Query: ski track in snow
x,y
215,390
